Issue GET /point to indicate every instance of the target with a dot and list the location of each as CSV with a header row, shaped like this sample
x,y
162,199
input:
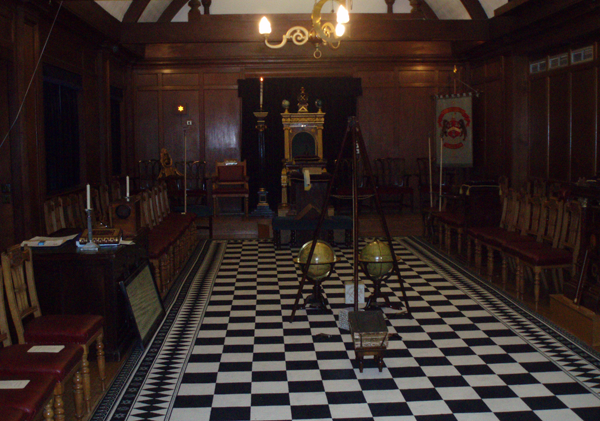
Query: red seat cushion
x,y
63,329
515,247
479,232
29,400
16,360
230,191
451,218
545,256
11,414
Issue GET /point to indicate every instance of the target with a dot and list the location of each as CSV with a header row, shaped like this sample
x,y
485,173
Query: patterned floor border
x,y
172,342
576,358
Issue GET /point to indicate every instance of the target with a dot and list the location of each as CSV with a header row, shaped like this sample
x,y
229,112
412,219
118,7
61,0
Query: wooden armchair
x,y
33,328
392,182
230,180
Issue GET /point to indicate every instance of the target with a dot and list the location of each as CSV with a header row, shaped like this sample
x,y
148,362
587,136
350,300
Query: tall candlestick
x,y
441,170
261,92
89,197
127,186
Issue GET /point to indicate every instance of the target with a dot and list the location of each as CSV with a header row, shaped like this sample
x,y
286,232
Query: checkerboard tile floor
x,y
467,352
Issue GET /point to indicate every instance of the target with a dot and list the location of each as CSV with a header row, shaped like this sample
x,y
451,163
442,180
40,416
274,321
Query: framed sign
x,y
144,302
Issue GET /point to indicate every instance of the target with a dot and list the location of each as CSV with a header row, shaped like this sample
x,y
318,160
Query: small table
x,y
329,224
370,336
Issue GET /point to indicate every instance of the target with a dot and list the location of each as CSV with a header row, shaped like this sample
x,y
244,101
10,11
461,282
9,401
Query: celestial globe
x,y
380,254
323,257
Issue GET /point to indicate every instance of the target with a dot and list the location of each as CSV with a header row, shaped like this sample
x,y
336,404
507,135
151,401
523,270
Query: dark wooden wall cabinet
x,y
70,281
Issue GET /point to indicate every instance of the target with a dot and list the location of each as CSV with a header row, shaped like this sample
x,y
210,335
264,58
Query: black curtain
x,y
338,96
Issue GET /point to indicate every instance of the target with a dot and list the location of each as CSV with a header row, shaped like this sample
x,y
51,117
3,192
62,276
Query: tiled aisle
x,y
468,353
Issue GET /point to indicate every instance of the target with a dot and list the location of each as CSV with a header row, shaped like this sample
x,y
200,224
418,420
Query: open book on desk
x,y
47,241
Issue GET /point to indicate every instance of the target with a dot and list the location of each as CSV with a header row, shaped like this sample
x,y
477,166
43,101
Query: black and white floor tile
x,y
467,353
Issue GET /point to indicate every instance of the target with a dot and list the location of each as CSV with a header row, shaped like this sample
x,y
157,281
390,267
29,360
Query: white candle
x,y
261,92
127,186
89,197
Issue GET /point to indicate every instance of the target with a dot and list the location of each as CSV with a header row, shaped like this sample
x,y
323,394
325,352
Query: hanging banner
x,y
454,128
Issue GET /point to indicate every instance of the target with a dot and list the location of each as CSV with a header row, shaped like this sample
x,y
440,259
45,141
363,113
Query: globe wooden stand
x,y
316,299
353,140
372,303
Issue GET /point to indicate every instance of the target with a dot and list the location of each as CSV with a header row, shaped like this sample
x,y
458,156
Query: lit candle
x,y
261,92
89,197
127,186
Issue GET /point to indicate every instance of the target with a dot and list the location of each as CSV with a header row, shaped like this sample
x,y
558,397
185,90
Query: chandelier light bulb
x,y
339,30
264,27
342,15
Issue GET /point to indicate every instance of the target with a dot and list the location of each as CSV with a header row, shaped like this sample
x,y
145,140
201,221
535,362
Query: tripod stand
x,y
352,137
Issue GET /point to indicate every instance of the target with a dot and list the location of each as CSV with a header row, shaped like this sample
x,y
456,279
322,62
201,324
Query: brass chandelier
x,y
320,33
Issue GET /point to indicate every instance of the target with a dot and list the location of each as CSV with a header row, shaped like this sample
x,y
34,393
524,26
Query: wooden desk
x,y
70,281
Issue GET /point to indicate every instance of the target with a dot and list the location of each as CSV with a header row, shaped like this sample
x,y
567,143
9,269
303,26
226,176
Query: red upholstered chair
x,y
46,371
230,181
392,181
33,328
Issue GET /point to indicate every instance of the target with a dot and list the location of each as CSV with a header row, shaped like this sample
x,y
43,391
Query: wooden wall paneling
x,y
146,125
496,150
222,125
222,122
584,111
559,139
378,119
520,119
174,124
416,124
25,153
538,127
7,234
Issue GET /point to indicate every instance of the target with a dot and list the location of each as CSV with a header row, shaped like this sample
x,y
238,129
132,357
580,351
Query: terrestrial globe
x,y
376,259
322,260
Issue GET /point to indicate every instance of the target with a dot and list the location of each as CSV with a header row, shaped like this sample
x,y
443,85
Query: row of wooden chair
x,y
68,211
46,372
536,232
172,236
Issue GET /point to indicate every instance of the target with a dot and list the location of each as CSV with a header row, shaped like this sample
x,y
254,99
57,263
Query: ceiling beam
x,y
372,27
475,9
95,16
172,9
427,11
135,10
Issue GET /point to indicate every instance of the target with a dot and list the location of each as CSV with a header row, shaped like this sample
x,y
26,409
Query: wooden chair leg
x,y
87,386
77,392
101,360
49,411
504,270
490,258
59,405
536,285
478,255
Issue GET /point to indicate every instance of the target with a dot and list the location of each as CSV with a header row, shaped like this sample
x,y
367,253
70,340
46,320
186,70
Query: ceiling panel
x,y
115,8
154,10
449,9
490,5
